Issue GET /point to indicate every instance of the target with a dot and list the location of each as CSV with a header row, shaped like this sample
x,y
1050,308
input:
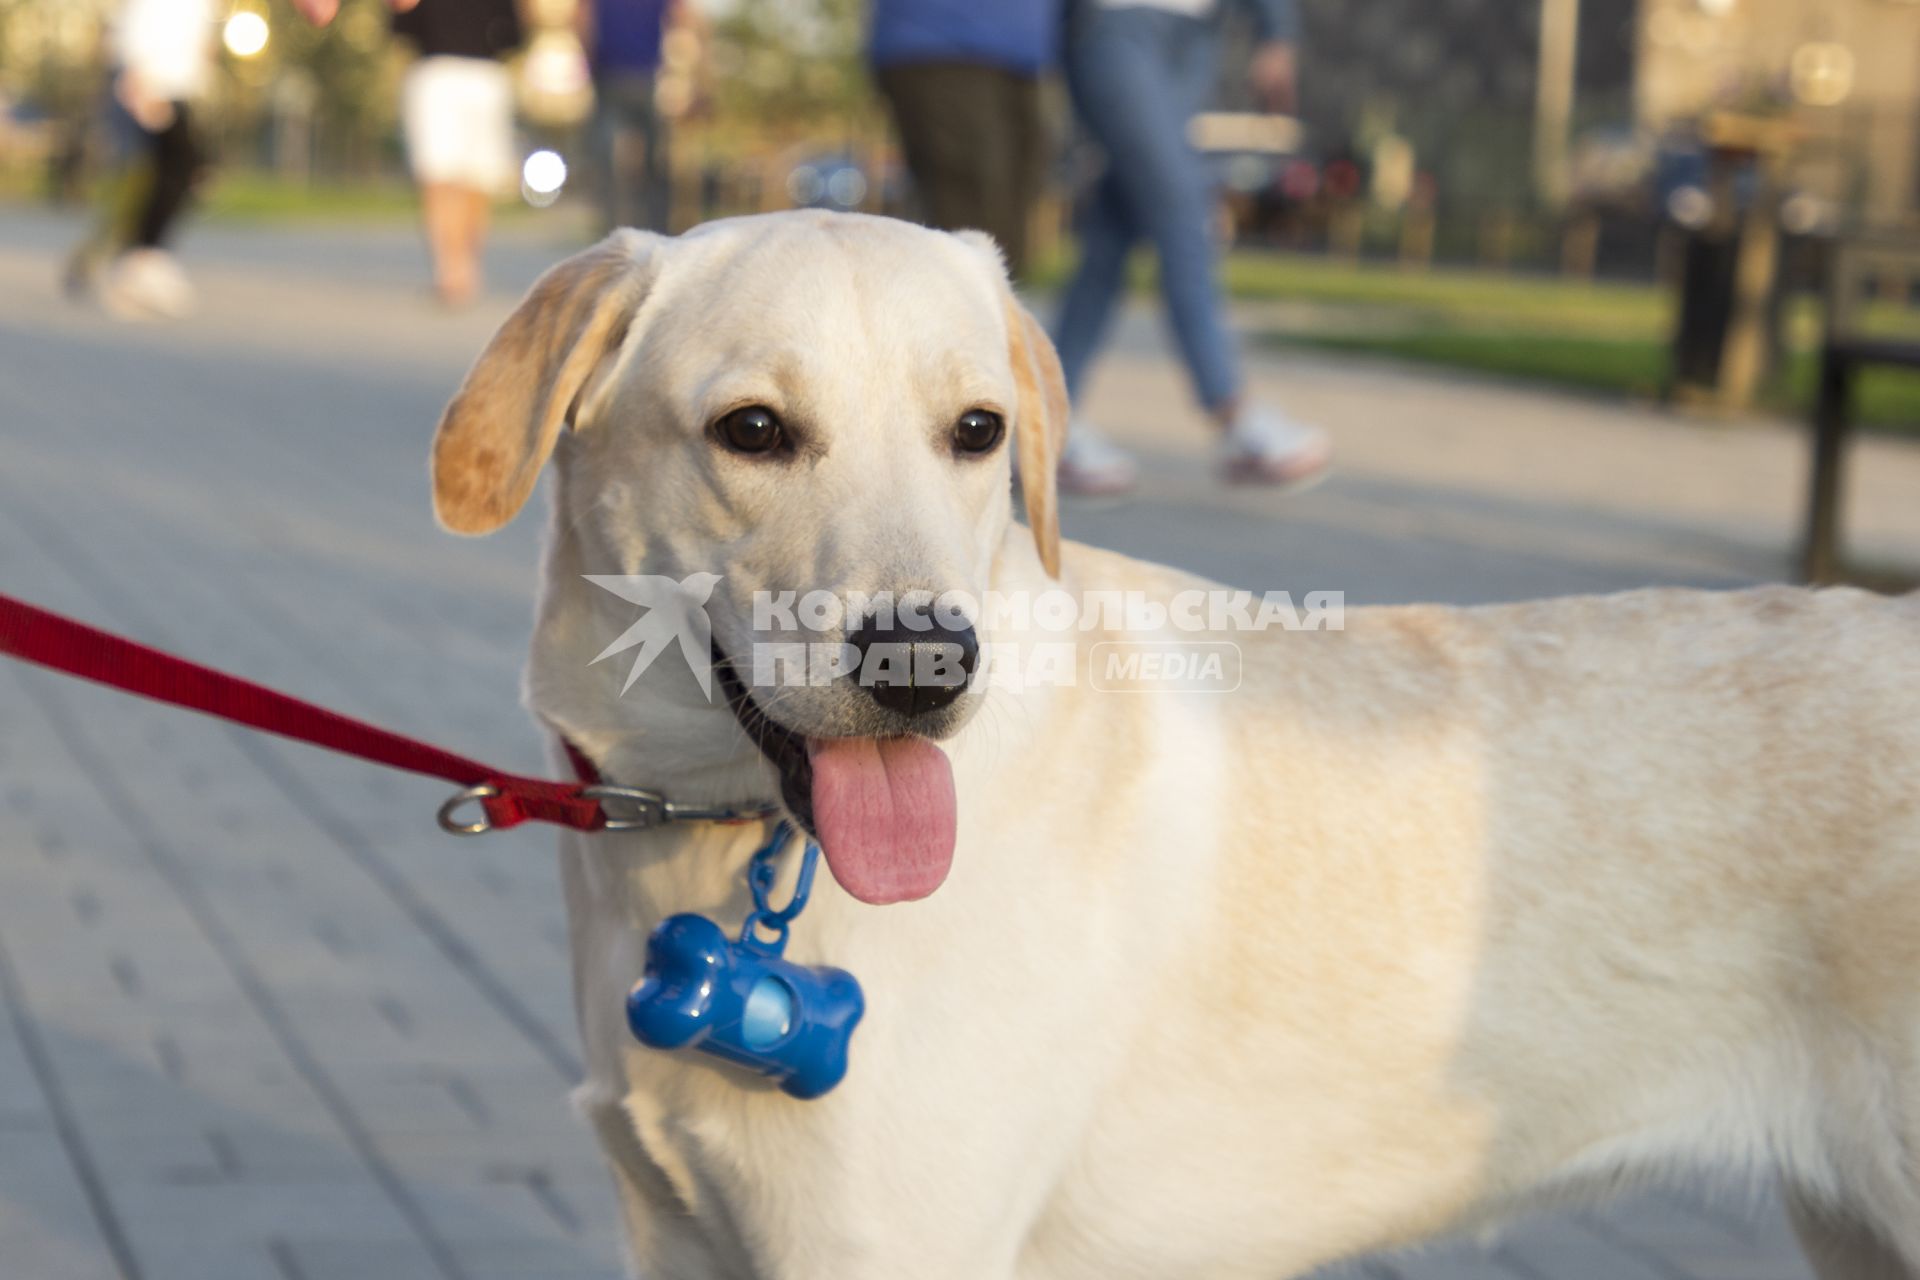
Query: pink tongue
x,y
885,812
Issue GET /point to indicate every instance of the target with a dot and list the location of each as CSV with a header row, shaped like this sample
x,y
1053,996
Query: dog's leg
x,y
648,1192
624,1157
1840,1246
1872,1230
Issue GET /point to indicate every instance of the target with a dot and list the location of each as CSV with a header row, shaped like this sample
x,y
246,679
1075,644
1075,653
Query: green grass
x,y
1620,366
1440,295
1606,339
1887,399
241,195
253,196
1451,296
257,197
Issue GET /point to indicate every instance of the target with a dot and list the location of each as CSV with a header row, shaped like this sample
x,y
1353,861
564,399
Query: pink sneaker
x,y
1263,447
1092,465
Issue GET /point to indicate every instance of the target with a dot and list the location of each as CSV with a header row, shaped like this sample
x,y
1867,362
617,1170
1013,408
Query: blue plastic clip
x,y
738,1000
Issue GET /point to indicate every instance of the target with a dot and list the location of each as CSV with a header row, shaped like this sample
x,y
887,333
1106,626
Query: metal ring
x,y
481,792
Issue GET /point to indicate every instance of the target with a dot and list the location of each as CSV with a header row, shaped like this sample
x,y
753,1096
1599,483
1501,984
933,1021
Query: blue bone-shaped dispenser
x,y
737,1000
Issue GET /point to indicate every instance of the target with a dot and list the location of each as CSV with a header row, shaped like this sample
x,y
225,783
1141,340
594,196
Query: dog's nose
x,y
912,670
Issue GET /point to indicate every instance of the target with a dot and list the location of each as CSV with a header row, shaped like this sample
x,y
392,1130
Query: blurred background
x,y
1518,186
1587,295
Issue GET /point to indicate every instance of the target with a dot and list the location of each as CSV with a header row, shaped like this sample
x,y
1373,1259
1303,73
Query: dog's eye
x,y
753,429
978,431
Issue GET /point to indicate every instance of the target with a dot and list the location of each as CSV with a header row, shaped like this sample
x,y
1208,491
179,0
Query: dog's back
x,y
1607,884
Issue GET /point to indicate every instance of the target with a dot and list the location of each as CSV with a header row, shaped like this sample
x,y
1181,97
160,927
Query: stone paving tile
x,y
1738,1243
1661,1236
1567,1249
216,1259
354,1259
547,1261
48,1231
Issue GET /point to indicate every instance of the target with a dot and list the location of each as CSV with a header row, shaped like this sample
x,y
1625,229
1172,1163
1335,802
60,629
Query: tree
x,y
785,69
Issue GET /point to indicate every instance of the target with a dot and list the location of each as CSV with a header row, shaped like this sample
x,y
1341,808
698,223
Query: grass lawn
x,y
253,195
1888,399
1599,338
1444,296
1440,295
246,195
1621,366
241,195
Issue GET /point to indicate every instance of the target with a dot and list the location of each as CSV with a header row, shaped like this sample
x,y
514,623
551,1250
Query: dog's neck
x,y
662,733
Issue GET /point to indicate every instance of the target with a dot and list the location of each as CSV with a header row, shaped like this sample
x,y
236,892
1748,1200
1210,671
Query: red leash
x,y
50,640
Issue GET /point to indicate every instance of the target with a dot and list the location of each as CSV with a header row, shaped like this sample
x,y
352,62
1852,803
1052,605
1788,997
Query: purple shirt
x,y
626,34
1014,35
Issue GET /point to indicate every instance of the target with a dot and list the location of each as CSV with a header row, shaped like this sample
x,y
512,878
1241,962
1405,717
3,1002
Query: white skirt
x,y
458,116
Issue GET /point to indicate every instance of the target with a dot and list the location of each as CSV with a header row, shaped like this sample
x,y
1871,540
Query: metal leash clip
x,y
642,809
653,809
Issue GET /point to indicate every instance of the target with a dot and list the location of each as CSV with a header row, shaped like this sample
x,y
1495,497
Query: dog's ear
x,y
500,426
1040,412
1039,428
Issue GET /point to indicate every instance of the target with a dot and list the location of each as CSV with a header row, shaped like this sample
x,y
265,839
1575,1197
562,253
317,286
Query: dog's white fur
x,y
1440,914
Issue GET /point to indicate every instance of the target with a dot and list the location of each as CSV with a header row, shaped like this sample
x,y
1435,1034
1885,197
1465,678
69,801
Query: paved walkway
x,y
259,1020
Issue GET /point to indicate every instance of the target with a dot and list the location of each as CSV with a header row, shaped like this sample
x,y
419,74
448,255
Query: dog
x,y
1433,917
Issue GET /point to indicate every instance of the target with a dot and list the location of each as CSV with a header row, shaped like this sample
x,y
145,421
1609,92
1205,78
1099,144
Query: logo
x,y
1140,641
1137,666
675,611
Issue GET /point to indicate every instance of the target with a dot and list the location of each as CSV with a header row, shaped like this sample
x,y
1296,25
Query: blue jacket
x,y
627,34
1015,35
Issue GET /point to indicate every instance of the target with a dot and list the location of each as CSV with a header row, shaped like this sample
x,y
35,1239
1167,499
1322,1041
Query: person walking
x,y
163,59
457,114
626,44
1138,71
962,78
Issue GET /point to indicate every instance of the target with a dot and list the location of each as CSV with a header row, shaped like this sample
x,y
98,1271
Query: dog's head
x,y
820,410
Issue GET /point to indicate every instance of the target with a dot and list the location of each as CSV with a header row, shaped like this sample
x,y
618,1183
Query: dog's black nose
x,y
913,669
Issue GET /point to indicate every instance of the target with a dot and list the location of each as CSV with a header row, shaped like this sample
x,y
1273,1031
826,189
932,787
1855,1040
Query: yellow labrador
x,y
1428,917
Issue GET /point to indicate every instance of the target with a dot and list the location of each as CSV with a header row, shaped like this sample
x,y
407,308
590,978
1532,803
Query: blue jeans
x,y
1137,75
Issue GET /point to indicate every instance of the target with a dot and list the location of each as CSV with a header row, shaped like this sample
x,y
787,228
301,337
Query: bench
x,y
1846,350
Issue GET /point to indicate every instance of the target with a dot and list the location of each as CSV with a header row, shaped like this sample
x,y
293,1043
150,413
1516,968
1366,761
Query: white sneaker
x,y
147,284
1264,446
1091,464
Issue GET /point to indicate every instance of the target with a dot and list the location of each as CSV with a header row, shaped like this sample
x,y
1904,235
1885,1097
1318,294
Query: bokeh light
x,y
542,177
1821,73
245,34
